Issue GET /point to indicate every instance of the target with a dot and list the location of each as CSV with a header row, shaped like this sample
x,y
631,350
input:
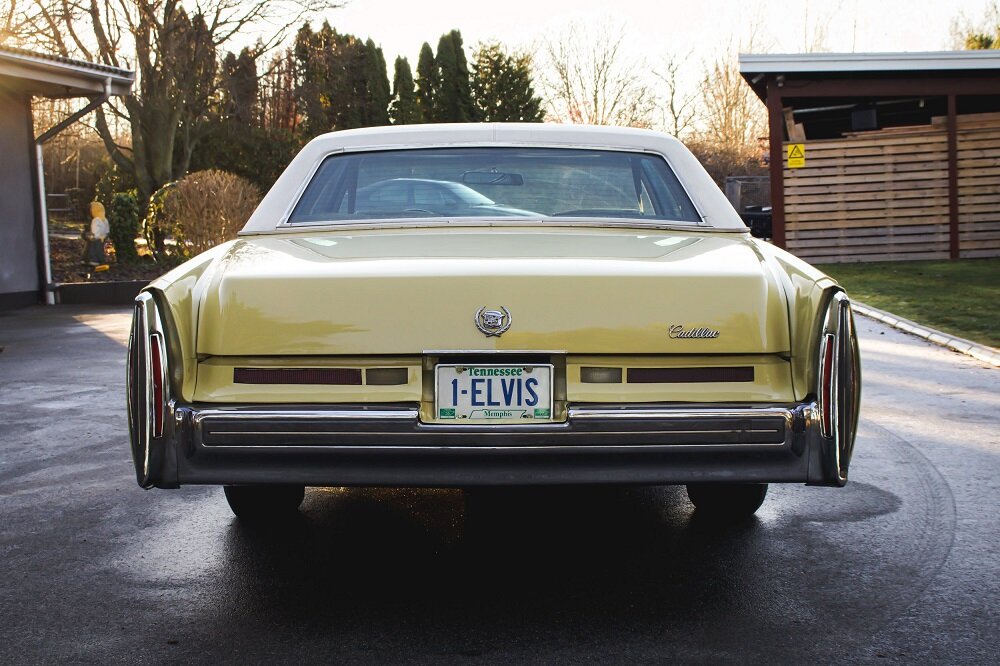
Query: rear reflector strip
x,y
689,375
156,370
343,376
826,385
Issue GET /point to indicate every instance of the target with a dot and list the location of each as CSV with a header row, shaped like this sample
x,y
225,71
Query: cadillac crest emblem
x,y
493,322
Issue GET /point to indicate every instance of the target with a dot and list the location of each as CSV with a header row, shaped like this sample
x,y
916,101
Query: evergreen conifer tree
x,y
347,94
454,102
404,109
502,86
376,89
427,83
312,79
238,78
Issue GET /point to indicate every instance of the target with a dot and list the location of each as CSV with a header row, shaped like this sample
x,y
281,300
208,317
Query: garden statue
x,y
95,237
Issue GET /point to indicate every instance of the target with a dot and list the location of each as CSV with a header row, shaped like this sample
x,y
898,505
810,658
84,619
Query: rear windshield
x,y
494,182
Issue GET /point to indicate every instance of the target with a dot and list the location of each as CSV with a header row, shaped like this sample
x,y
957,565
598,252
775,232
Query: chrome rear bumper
x,y
400,428
388,445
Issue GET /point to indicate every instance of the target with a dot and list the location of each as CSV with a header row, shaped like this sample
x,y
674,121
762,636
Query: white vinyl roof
x,y
778,63
273,211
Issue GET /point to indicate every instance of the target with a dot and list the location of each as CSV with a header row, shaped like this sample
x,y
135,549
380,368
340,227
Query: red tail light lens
x,y
826,385
156,370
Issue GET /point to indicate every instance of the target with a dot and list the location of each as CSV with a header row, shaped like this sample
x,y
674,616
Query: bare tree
x,y
732,120
733,116
679,106
814,33
73,158
173,47
8,15
589,79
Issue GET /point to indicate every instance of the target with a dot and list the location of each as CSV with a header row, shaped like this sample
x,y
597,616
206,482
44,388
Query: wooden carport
x,y
902,153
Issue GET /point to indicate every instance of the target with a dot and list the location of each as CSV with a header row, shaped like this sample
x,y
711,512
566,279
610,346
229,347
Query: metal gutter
x,y
780,63
40,166
123,78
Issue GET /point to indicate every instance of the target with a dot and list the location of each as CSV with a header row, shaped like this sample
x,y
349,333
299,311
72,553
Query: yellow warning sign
x,y
796,155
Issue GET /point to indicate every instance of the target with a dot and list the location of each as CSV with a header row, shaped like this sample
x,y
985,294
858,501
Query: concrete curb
x,y
961,345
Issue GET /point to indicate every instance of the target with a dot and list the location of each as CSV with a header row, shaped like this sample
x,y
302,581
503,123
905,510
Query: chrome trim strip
x,y
637,448
447,431
310,414
307,228
502,434
679,413
409,413
445,352
283,224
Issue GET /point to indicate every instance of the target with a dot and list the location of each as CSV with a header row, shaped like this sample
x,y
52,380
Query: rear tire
x,y
264,502
726,501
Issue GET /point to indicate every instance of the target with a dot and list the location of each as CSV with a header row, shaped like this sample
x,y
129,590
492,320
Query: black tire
x,y
264,502
728,501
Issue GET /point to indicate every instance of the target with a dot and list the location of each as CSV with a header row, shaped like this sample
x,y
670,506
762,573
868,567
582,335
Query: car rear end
x,y
606,319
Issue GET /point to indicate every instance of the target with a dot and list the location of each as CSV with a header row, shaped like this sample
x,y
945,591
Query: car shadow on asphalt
x,y
472,560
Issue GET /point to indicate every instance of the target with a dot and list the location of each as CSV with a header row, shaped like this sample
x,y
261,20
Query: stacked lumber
x,y
883,195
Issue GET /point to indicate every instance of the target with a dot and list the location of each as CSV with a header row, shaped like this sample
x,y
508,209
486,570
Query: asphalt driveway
x,y
901,565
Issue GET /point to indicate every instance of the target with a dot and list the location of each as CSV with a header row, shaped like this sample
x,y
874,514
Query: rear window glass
x,y
494,182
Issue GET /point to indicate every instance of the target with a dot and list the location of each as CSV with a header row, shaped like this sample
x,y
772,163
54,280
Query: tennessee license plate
x,y
479,393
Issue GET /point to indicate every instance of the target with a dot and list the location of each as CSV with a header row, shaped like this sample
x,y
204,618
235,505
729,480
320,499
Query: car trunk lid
x,y
410,291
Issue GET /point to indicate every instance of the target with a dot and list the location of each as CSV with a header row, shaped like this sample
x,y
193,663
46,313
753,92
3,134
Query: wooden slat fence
x,y
883,195
979,186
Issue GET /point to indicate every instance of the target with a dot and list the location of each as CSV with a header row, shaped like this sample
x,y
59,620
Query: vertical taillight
x,y
148,390
136,380
838,374
156,370
826,384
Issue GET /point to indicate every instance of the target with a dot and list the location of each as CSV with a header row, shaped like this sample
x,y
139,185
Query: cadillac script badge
x,y
703,332
493,322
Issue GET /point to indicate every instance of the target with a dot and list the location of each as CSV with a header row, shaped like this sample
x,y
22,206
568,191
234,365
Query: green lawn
x,y
959,297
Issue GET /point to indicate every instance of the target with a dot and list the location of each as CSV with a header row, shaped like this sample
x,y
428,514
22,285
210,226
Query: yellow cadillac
x,y
488,305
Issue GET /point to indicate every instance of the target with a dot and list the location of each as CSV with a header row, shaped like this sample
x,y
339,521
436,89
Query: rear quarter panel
x,y
807,290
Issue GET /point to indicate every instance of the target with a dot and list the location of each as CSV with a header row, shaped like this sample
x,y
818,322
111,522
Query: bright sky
x,y
699,27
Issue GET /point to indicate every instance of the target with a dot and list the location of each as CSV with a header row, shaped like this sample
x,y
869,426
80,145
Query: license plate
x,y
493,393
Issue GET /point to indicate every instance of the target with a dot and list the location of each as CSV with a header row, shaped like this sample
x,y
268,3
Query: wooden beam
x,y
776,126
952,131
888,87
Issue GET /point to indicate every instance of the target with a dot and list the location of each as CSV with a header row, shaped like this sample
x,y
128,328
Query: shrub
x,y
155,226
722,160
113,180
205,208
123,218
